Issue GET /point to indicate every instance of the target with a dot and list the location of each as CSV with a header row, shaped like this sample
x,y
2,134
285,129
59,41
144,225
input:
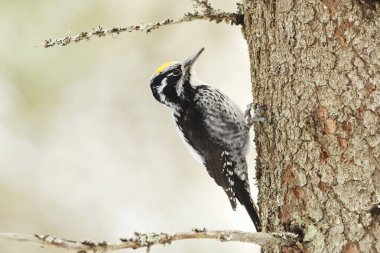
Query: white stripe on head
x,y
160,90
164,83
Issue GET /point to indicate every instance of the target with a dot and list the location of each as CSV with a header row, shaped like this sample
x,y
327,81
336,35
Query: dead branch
x,y
147,240
202,11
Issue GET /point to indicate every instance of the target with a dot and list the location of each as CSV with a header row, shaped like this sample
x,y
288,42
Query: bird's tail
x,y
236,185
245,199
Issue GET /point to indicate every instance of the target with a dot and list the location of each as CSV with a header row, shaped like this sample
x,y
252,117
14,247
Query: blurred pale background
x,y
85,150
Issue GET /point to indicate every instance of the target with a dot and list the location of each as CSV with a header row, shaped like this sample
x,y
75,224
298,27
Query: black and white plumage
x,y
211,125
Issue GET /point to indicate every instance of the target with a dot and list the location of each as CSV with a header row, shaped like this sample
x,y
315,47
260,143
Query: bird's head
x,y
169,79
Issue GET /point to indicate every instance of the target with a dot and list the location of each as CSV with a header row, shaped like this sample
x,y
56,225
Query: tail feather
x,y
245,199
234,181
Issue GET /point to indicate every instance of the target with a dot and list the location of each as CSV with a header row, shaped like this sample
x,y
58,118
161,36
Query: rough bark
x,y
316,64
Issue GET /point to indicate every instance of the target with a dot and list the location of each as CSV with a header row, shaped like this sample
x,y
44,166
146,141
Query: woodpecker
x,y
212,127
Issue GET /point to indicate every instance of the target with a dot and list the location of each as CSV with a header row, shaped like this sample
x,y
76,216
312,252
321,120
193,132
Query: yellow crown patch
x,y
163,67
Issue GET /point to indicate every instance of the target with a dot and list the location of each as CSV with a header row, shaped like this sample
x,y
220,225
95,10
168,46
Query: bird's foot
x,y
258,114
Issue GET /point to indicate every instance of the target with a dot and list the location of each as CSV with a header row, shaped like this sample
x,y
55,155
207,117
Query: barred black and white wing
x,y
225,127
228,135
214,129
222,118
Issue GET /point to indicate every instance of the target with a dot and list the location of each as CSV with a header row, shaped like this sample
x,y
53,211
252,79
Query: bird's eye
x,y
176,72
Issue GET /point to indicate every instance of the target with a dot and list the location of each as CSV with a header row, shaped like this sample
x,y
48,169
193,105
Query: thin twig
x,y
146,240
202,11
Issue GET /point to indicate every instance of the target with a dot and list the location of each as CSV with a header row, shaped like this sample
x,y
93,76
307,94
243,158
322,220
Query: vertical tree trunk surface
x,y
316,65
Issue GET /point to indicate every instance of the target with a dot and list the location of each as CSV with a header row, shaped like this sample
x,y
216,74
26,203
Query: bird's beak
x,y
189,62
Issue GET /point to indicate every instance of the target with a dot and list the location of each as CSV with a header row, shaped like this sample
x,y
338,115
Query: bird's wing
x,y
225,134
222,119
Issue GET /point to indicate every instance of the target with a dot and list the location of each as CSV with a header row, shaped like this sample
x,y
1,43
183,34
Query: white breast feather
x,y
195,153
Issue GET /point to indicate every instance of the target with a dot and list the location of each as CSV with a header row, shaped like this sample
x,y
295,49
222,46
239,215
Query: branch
x,y
149,239
202,11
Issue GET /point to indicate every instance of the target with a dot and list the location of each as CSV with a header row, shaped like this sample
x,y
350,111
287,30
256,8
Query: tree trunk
x,y
316,65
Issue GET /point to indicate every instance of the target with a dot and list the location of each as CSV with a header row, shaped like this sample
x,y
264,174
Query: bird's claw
x,y
258,115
